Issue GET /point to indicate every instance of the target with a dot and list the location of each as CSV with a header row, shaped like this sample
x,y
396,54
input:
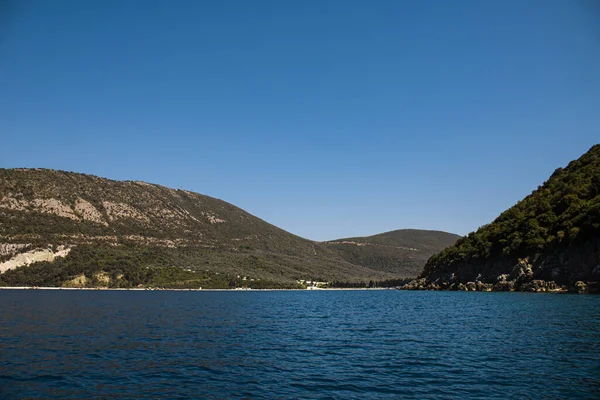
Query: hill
x,y
548,240
402,252
82,230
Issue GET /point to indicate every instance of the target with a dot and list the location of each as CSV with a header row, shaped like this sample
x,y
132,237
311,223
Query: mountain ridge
x,y
102,224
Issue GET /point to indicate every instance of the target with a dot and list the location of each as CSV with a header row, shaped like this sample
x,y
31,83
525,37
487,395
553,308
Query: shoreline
x,y
52,288
182,290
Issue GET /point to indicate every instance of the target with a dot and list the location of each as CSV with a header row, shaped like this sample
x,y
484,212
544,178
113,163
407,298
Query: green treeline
x,y
563,211
131,267
389,283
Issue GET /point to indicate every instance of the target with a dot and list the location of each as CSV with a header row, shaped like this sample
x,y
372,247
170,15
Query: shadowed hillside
x,y
549,239
402,252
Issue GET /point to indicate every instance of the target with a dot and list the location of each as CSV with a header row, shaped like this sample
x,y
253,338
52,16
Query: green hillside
x,y
402,252
550,238
135,233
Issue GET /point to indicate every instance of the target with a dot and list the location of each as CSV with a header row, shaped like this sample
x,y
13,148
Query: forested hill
x,y
402,252
548,239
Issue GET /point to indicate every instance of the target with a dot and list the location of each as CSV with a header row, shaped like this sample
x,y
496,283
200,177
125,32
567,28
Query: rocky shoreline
x,y
523,277
533,286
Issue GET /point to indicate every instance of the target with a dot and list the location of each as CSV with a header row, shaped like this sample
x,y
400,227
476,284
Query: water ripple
x,y
325,345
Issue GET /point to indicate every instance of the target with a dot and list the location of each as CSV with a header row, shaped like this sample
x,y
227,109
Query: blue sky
x,y
327,118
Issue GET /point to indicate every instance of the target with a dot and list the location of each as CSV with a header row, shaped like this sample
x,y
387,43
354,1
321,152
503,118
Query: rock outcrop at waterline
x,y
535,285
549,241
504,283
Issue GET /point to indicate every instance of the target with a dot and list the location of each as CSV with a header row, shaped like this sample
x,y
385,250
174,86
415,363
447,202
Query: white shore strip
x,y
182,290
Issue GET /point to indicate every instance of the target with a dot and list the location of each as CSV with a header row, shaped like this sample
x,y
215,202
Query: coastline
x,y
561,290
182,290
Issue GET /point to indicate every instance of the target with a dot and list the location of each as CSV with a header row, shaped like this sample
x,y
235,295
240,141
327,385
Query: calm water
x,y
309,344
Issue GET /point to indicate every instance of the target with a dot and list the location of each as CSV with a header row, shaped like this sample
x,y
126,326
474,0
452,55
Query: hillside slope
x,y
551,238
402,252
77,229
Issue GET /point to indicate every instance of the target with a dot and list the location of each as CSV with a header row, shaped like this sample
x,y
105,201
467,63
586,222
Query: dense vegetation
x,y
390,283
130,267
555,231
402,252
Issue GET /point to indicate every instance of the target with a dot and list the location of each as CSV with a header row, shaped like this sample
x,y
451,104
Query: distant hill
x,y
548,240
402,252
68,229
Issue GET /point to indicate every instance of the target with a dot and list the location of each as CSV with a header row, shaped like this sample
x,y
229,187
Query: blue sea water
x,y
298,344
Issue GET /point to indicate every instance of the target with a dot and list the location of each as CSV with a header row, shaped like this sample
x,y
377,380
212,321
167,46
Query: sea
x,y
365,344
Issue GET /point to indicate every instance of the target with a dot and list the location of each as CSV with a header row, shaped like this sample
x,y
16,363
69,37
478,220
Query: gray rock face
x,y
504,286
484,287
538,285
579,287
522,271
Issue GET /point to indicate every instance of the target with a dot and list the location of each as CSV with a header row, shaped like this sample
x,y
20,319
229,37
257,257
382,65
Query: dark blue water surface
x,y
298,344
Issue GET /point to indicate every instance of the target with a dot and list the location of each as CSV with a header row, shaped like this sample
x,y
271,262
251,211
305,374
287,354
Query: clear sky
x,y
327,118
